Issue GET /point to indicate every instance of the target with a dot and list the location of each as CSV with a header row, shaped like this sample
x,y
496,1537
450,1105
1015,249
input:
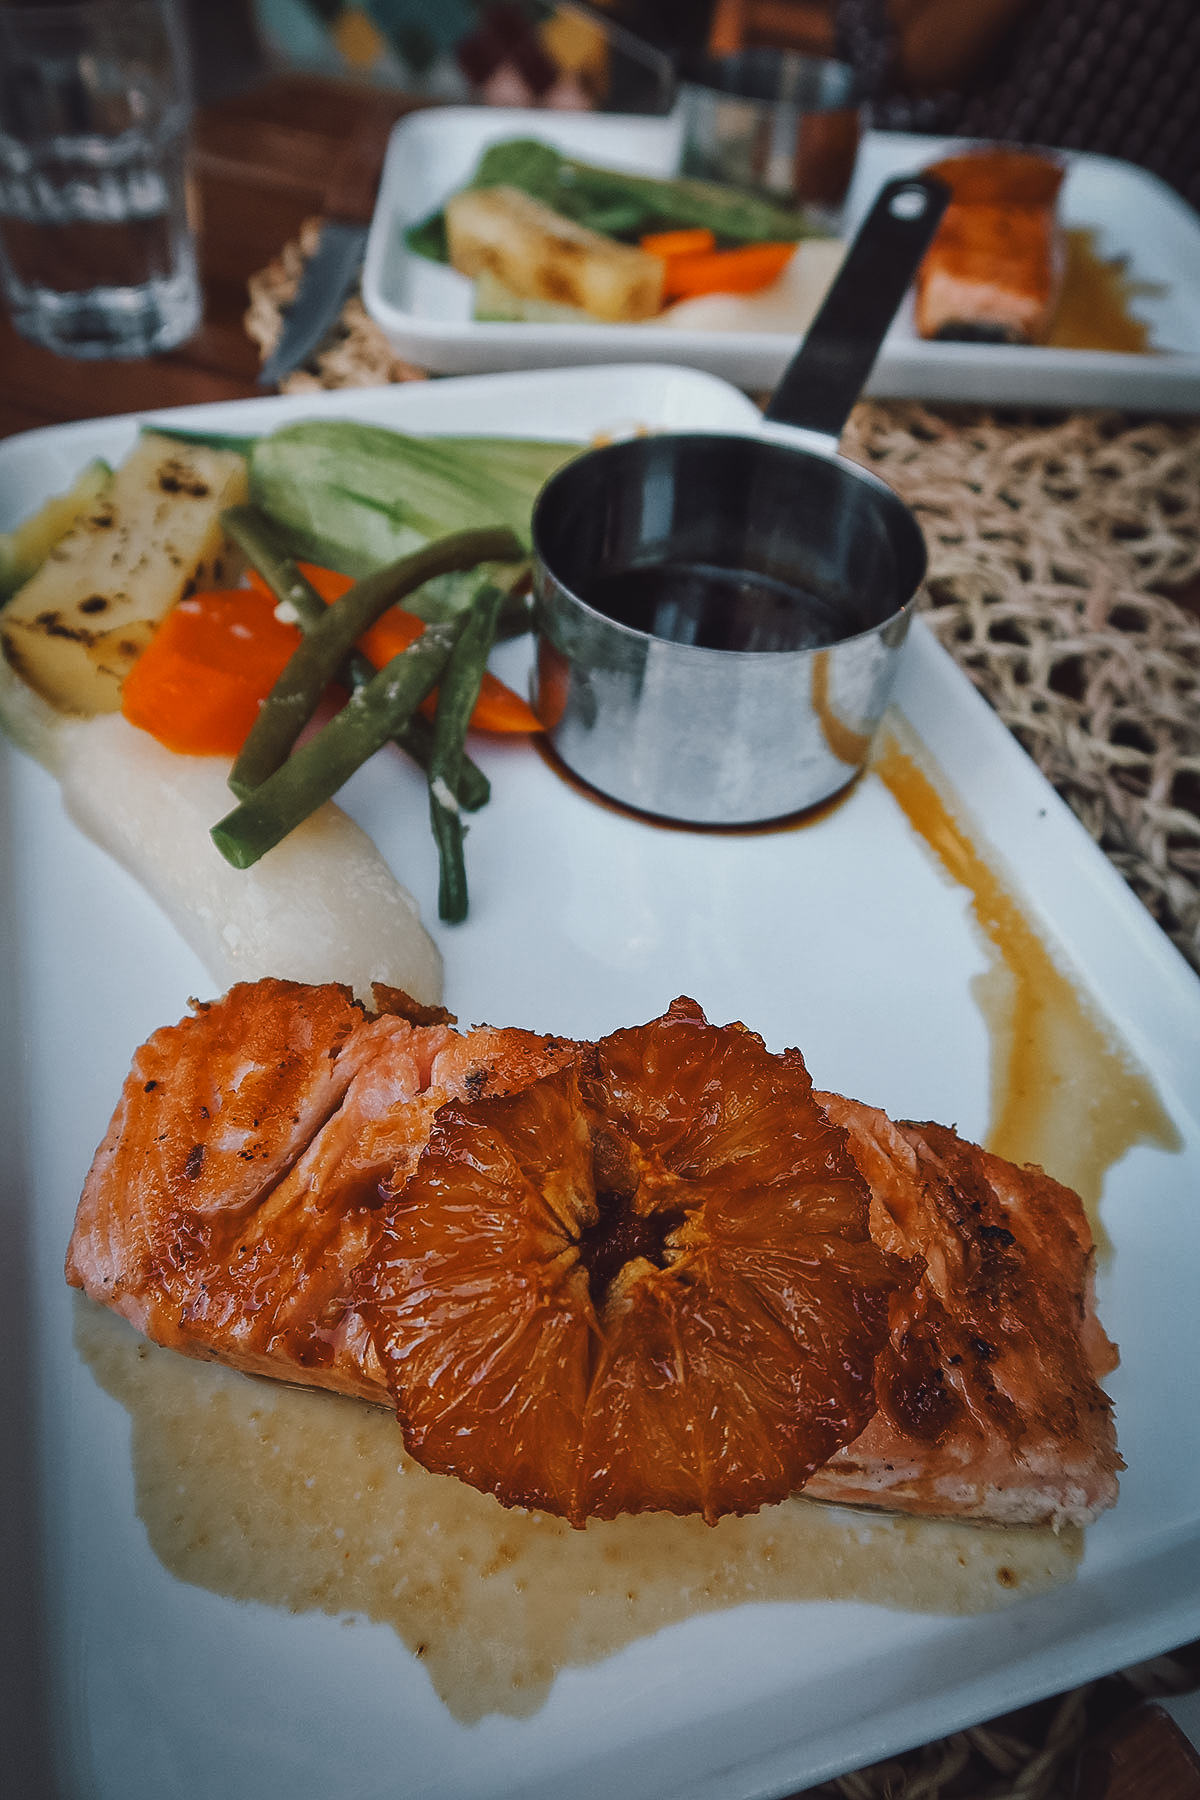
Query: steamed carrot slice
x,y
501,708
498,708
741,271
198,685
690,240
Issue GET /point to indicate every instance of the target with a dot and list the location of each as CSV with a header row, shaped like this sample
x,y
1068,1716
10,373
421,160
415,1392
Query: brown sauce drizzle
x,y
847,743
1066,1093
1094,307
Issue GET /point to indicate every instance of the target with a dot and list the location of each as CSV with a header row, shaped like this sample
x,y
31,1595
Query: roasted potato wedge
x,y
25,549
539,255
79,624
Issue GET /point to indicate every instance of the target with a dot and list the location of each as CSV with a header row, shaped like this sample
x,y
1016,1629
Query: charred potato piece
x,y
539,255
80,623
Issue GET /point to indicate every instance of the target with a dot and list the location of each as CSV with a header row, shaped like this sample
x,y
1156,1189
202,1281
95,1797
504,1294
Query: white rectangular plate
x,y
425,309
842,937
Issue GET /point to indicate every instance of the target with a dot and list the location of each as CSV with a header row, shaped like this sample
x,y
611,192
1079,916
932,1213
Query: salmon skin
x,y
994,271
257,1147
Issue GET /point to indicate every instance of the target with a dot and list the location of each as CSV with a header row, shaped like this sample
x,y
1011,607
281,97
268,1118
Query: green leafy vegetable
x,y
212,440
362,499
354,497
618,204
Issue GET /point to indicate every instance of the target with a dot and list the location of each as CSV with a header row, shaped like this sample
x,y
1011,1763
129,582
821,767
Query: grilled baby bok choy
x,y
354,497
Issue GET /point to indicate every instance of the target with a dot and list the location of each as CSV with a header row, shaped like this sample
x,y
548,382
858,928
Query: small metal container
x,y
772,121
720,618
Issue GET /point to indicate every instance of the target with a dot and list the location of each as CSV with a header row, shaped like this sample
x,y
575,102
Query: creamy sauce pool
x,y
307,1501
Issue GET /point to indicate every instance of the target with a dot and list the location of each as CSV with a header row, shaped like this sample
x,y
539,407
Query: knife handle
x,y
354,183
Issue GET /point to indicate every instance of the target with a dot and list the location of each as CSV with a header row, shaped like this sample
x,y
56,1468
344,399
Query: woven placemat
x,y
1032,1754
1057,549
354,354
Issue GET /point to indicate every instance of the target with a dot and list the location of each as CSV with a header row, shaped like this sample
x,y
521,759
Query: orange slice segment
x,y
645,1282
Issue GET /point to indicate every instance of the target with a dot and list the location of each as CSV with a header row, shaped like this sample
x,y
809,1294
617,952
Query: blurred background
x,y
1118,77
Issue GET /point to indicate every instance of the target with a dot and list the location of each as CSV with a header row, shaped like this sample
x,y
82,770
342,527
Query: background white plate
x,y
843,937
425,308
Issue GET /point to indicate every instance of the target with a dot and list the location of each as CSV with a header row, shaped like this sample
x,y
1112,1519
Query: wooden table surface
x,y
260,165
261,161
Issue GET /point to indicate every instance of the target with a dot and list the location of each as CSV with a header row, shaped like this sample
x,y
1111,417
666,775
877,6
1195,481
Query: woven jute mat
x,y
1061,555
1033,1754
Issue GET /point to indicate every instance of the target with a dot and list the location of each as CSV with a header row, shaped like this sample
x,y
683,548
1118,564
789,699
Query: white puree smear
x,y
307,1501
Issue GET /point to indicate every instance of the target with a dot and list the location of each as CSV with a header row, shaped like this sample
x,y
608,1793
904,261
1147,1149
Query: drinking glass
x,y
774,122
96,255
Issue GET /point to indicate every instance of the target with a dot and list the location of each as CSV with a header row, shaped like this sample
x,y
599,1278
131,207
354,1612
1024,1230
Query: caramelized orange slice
x,y
645,1282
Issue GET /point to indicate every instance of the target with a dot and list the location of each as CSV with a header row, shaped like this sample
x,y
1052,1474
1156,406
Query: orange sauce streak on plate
x,y
1066,1093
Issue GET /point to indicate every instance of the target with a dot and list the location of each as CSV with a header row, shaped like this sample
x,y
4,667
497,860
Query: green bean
x,y
458,691
473,790
320,654
260,543
254,534
318,768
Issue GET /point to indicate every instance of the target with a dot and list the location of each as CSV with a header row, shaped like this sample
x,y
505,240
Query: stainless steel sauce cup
x,y
720,618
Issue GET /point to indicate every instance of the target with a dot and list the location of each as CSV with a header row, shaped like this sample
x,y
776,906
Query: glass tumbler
x,y
773,122
97,258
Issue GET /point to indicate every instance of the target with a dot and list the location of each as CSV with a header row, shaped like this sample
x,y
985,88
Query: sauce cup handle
x,y
827,374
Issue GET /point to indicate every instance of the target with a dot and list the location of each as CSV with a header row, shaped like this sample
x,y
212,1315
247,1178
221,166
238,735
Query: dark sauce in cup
x,y
716,608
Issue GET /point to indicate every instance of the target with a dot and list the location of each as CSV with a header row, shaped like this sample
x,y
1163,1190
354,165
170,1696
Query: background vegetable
x,y
539,254
689,241
741,271
621,205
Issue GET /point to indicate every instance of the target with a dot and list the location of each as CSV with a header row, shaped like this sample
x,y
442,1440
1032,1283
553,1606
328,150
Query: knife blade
x,y
330,273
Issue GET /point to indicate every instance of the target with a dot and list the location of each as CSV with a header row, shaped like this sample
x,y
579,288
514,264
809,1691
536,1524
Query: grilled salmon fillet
x,y
994,271
987,1395
245,1171
249,1167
